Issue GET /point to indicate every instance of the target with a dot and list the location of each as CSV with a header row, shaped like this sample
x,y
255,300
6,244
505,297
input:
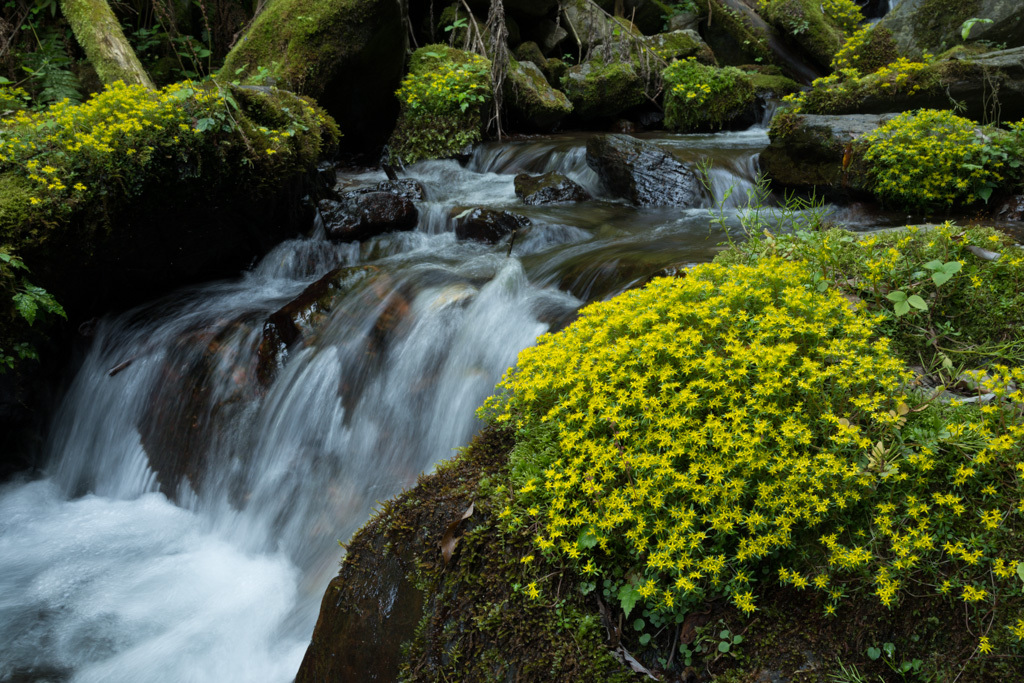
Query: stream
x,y
211,565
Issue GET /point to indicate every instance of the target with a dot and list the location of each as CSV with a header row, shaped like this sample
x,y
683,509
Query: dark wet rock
x,y
362,215
548,189
407,188
643,172
302,316
531,98
684,21
487,225
816,153
547,34
1010,209
590,26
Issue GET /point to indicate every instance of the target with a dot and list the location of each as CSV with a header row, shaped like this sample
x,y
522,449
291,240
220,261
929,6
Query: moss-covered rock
x,y
598,90
590,26
700,97
443,100
989,86
531,99
920,26
649,51
807,25
347,54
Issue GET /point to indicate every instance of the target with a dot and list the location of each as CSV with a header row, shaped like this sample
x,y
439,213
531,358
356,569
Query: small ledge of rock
x,y
549,188
363,214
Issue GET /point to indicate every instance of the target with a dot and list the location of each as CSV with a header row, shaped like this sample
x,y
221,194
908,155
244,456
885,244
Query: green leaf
x,y
901,308
896,295
736,640
933,265
26,305
638,625
985,193
645,638
874,653
588,539
917,302
627,598
205,124
724,635
1020,570
723,647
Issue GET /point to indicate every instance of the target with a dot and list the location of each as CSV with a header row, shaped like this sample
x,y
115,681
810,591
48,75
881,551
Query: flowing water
x,y
187,525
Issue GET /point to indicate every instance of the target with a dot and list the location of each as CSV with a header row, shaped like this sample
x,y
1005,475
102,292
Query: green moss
x,y
599,90
530,96
937,23
15,208
775,85
752,40
808,26
701,97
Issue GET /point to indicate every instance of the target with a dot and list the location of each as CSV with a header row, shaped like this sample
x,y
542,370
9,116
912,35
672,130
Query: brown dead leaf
x,y
449,540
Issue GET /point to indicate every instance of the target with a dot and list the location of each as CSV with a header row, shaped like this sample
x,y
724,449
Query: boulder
x,y
590,26
662,46
813,153
531,99
346,54
530,52
547,34
808,27
990,86
549,188
920,26
598,90
362,215
642,172
486,225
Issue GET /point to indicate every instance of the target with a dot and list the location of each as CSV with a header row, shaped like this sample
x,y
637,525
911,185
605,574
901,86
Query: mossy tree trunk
x,y
98,32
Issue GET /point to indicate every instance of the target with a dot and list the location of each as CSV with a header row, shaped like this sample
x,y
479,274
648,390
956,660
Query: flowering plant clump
x,y
931,158
109,148
698,96
703,425
443,99
846,15
679,441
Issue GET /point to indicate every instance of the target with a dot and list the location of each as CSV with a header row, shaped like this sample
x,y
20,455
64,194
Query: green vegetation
x,y
754,423
933,158
23,302
819,28
77,165
867,50
443,98
600,90
700,97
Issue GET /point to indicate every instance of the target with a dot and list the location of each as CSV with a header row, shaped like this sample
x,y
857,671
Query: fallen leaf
x,y
449,540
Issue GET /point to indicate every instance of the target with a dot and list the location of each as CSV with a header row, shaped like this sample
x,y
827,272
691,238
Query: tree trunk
x,y
99,34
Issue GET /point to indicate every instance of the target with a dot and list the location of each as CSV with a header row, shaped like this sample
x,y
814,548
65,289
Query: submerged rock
x,y
812,153
548,189
643,172
487,225
362,215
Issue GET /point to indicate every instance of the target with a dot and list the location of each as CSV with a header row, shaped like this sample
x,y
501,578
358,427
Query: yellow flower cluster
x,y
930,157
845,14
699,423
448,87
849,54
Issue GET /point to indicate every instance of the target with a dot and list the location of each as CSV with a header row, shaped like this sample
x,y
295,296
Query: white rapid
x,y
189,519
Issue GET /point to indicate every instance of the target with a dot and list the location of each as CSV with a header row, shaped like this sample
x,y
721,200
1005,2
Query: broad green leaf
x,y
874,653
638,625
933,265
896,295
985,193
26,305
723,647
588,539
917,302
645,638
736,640
902,307
627,598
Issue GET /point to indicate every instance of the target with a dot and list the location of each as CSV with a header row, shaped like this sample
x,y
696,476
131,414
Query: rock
x,y
599,90
530,52
486,225
807,153
531,99
346,54
643,172
407,188
554,70
804,22
666,46
362,215
990,85
684,21
547,34
548,189
919,26
1011,209
590,26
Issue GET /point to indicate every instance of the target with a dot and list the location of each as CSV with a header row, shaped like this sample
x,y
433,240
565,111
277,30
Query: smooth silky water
x,y
110,571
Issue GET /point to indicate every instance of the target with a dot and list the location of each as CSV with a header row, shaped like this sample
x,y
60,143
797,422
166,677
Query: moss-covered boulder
x,y
601,90
590,26
989,86
531,100
807,25
443,99
652,51
700,97
920,26
346,54
401,608
816,154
